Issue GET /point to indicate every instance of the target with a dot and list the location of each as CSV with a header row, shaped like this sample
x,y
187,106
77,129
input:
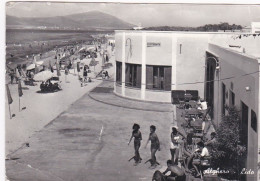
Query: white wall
x,y
233,64
190,65
159,55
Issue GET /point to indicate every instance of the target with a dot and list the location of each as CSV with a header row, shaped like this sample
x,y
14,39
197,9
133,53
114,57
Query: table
x,y
193,112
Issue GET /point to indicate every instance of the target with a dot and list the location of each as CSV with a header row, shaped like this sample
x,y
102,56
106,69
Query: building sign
x,y
153,44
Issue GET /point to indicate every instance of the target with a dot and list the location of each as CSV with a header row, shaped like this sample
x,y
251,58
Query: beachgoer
x,y
174,147
177,174
85,73
137,142
198,155
106,75
155,145
11,76
210,143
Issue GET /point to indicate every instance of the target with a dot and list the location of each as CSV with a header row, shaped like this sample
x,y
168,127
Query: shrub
x,y
229,152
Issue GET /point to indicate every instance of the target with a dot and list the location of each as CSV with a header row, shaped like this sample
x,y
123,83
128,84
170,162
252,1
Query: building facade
x,y
236,83
151,64
222,67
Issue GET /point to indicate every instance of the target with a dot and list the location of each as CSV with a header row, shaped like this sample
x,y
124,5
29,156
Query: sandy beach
x,y
41,108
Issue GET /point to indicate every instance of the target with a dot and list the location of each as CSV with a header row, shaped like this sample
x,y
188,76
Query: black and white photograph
x,y
131,91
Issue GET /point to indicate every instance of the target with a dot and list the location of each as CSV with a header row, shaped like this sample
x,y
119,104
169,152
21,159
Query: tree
x,y
229,153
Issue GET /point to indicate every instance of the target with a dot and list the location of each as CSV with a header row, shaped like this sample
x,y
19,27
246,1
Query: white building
x,y
222,67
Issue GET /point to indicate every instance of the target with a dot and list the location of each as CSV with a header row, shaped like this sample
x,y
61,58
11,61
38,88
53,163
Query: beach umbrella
x,y
43,76
81,49
11,65
30,67
9,98
91,48
39,62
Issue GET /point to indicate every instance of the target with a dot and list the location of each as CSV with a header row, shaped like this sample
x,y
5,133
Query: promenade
x,y
41,108
89,142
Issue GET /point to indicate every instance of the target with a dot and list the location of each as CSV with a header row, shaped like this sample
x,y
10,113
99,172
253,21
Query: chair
x,y
177,96
194,94
187,97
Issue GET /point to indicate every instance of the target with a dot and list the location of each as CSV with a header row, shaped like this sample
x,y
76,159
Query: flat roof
x,y
252,56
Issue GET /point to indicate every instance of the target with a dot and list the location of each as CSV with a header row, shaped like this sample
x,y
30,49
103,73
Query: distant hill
x,y
88,21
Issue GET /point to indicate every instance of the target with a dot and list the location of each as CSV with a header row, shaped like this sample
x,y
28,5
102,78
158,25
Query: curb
x,y
112,104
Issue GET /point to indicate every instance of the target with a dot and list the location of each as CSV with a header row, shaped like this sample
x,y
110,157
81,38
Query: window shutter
x,y
138,76
167,78
149,77
127,74
119,72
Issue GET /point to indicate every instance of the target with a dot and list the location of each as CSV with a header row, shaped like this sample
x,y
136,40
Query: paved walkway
x,y
104,94
89,142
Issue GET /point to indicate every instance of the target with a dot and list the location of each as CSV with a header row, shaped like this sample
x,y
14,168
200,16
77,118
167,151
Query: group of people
x,y
85,78
193,155
155,144
181,144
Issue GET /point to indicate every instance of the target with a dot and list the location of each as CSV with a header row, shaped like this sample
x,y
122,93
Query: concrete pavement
x,y
89,142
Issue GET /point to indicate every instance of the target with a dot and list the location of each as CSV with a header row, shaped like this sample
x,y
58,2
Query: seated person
x,y
177,173
106,74
50,84
187,106
199,154
204,105
186,154
42,86
209,144
103,74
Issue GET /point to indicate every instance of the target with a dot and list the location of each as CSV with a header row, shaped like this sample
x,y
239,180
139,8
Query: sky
x,y
145,14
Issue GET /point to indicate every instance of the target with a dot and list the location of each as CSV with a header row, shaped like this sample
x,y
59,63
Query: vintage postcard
x,y
116,91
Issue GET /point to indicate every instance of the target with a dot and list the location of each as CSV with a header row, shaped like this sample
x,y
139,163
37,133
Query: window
x,y
231,98
253,121
244,124
223,98
158,77
133,74
119,72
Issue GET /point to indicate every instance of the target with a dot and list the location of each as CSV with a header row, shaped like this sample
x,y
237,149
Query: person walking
x,y
155,145
137,135
85,74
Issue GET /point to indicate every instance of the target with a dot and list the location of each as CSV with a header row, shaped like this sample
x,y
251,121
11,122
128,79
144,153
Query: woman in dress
x,y
155,145
137,142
